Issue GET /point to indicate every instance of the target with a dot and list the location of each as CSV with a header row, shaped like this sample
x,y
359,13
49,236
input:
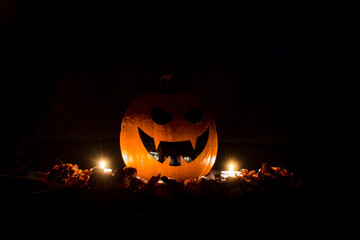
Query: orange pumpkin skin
x,y
172,135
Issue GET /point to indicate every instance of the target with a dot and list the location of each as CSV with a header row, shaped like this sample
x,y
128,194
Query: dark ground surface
x,y
298,207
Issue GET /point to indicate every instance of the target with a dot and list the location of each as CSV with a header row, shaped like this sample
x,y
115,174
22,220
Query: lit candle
x,y
230,173
231,170
102,165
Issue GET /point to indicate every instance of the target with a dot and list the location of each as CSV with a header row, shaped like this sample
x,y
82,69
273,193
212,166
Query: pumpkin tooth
x,y
157,142
193,142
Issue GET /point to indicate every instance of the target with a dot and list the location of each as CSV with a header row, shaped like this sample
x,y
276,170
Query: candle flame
x,y
231,167
102,164
231,172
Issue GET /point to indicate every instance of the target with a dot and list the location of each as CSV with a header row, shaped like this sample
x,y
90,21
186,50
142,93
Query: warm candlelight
x,y
230,173
102,165
231,168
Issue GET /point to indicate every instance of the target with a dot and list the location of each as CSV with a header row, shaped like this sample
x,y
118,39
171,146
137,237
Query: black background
x,y
69,72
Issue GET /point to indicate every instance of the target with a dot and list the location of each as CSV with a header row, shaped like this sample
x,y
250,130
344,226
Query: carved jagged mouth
x,y
174,150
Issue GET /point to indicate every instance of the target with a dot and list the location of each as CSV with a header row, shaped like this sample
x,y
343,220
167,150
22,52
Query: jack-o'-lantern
x,y
168,133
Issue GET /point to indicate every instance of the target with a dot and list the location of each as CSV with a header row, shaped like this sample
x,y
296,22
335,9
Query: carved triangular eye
x,y
160,116
193,115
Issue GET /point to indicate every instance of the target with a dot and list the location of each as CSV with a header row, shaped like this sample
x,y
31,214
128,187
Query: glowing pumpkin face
x,y
169,134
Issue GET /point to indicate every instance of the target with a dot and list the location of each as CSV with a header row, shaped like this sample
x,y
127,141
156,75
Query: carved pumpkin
x,y
168,133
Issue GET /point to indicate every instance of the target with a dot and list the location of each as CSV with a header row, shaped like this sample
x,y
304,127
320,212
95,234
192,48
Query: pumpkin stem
x,y
168,84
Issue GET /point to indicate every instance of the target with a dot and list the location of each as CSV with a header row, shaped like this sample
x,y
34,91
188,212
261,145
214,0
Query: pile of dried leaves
x,y
126,179
66,175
